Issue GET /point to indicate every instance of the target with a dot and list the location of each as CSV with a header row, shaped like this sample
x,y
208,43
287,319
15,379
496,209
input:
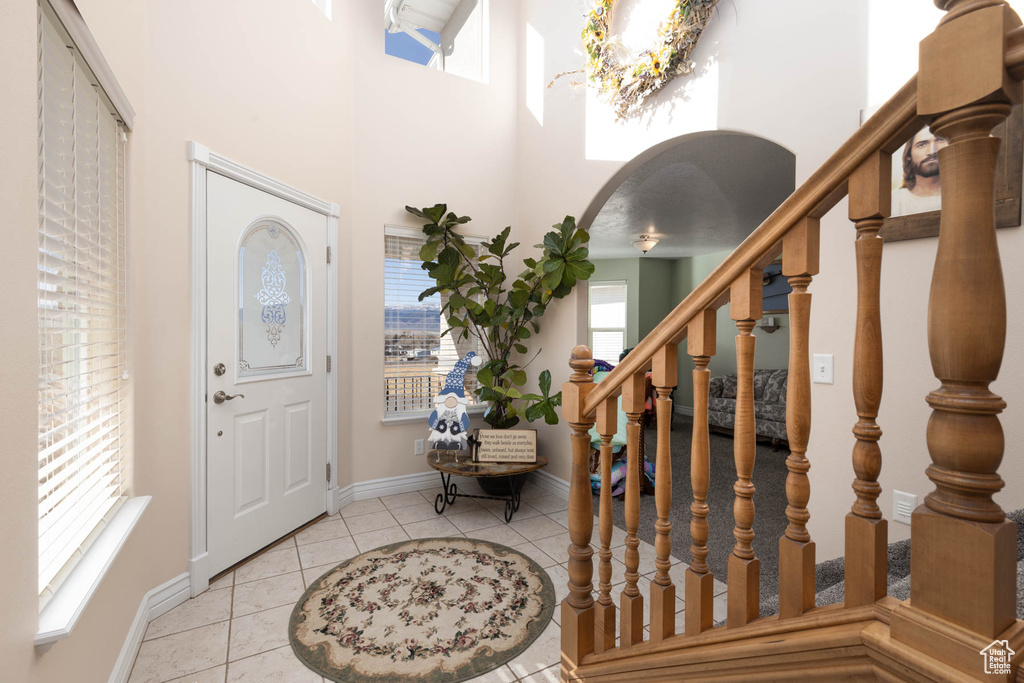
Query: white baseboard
x,y
387,486
155,603
551,483
421,481
683,410
198,569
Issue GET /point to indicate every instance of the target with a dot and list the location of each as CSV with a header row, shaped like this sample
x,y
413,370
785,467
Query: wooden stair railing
x,y
963,578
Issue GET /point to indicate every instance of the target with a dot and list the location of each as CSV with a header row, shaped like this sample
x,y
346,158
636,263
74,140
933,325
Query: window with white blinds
x,y
81,294
416,357
608,319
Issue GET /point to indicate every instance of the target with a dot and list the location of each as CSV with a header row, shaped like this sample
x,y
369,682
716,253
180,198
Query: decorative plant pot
x,y
496,486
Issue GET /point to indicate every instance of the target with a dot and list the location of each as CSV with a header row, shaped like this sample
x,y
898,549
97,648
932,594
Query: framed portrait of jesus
x,y
917,181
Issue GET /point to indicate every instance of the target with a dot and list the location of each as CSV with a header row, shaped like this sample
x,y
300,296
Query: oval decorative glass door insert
x,y
271,301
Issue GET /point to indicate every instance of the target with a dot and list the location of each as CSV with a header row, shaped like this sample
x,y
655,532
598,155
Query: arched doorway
x,y
698,197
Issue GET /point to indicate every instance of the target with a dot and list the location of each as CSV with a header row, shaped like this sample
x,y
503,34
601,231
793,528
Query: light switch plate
x,y
903,505
418,447
821,370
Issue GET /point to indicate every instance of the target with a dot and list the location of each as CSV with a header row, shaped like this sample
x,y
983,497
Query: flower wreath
x,y
628,81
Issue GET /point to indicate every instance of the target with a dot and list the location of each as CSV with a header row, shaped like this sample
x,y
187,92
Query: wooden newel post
x,y
963,553
578,607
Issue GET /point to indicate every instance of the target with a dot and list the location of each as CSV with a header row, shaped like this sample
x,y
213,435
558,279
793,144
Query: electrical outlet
x,y
903,505
418,447
822,368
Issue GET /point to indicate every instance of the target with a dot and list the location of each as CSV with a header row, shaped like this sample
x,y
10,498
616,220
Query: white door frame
x,y
202,160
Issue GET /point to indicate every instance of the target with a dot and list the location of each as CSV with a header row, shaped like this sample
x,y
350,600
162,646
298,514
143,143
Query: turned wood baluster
x,y
700,344
578,607
744,567
604,615
796,549
631,630
663,593
866,532
963,554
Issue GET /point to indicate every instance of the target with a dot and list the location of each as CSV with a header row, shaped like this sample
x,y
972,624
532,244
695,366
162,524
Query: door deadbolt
x,y
219,369
220,397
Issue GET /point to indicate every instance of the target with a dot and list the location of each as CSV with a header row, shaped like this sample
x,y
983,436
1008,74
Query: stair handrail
x,y
890,126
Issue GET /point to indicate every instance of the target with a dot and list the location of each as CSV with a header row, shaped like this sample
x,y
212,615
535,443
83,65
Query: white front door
x,y
266,374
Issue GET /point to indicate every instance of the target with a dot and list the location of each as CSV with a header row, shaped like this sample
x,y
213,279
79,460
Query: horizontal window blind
x,y
416,357
608,319
81,295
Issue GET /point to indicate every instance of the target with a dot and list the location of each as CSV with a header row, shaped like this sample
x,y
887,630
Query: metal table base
x,y
450,491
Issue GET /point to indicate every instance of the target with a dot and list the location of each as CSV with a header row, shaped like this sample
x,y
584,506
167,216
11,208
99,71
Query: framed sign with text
x,y
507,445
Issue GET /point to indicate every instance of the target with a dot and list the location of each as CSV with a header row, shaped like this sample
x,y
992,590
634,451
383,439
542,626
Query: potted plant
x,y
479,301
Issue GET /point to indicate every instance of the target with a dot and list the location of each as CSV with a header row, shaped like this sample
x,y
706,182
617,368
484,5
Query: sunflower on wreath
x,y
628,80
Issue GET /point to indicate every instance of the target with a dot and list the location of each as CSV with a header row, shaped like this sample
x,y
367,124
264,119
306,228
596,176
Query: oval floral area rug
x,y
436,609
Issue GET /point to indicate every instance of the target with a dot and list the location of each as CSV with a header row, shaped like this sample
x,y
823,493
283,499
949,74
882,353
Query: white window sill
x,y
61,613
422,415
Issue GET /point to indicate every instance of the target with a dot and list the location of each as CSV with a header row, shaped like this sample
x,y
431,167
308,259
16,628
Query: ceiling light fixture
x,y
645,243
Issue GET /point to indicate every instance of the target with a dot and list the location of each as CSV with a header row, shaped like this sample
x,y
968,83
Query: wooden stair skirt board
x,y
826,644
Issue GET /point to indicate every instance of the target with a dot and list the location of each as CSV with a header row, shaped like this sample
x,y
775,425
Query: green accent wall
x,y
654,287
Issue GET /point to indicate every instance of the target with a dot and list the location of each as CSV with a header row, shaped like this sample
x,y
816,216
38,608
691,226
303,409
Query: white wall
x,y
797,75
419,137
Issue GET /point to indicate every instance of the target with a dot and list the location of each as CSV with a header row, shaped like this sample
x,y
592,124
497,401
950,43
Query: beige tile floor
x,y
237,631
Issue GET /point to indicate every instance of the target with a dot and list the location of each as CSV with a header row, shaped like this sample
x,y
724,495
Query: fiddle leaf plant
x,y
477,301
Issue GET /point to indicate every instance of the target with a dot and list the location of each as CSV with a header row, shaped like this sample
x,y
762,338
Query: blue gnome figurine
x,y
449,421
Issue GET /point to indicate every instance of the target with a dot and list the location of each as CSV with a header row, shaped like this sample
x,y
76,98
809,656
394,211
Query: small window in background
x,y
447,35
608,319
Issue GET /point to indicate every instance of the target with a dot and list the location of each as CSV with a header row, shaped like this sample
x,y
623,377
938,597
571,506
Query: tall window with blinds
x,y
608,319
416,356
81,294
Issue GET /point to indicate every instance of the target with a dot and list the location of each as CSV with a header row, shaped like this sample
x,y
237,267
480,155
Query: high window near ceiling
x,y
83,518
608,319
447,35
417,357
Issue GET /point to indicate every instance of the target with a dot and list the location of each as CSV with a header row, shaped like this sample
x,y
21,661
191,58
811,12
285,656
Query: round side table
x,y
447,463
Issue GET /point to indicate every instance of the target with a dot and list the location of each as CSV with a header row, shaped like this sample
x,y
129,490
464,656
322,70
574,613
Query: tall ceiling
x,y
703,195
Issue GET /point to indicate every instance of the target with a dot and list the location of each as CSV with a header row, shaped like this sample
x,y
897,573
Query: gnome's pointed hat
x,y
455,382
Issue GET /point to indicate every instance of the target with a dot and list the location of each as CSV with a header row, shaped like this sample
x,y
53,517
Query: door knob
x,y
219,369
220,397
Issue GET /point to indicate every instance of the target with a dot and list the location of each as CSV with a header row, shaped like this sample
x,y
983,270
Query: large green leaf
x,y
545,382
553,244
449,256
435,213
428,251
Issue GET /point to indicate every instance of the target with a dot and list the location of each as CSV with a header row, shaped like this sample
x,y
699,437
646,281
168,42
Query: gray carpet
x,y
769,520
830,582
769,502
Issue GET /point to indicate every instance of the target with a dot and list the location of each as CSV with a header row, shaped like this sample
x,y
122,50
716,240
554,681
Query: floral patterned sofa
x,y
769,404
